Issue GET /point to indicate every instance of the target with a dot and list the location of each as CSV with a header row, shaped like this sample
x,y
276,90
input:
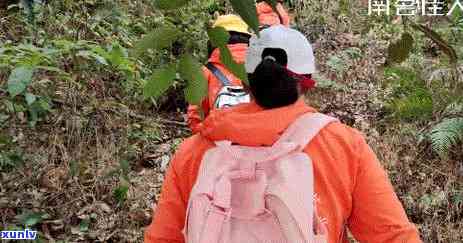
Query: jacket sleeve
x,y
193,111
194,118
377,214
169,214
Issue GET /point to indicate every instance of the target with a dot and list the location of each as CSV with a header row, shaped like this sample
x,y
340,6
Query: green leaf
x,y
125,167
5,139
218,36
100,54
118,55
31,218
19,79
247,10
38,109
170,4
120,193
159,38
237,69
30,98
90,54
190,70
10,160
17,158
44,104
73,168
18,108
84,225
159,82
100,51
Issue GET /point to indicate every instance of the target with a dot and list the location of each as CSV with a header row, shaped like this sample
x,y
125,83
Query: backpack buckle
x,y
249,172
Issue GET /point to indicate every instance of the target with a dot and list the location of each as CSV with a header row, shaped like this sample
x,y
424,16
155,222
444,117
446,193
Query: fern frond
x,y
446,134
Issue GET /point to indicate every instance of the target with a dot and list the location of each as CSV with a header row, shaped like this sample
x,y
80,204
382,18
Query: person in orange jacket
x,y
353,189
238,43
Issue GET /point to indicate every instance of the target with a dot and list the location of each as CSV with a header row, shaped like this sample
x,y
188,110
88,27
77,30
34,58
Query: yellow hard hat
x,y
231,22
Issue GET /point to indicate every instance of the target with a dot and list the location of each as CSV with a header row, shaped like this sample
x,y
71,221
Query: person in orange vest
x,y
351,187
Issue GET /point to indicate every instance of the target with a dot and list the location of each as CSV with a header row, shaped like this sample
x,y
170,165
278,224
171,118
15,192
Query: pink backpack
x,y
258,194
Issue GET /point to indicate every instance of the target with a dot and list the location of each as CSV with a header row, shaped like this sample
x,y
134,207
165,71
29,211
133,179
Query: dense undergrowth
x,y
82,151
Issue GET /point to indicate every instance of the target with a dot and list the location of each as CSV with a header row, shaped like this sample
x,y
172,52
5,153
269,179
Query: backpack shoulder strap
x,y
223,79
305,128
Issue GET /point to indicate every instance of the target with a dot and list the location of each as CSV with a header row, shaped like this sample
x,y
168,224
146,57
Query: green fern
x,y
446,134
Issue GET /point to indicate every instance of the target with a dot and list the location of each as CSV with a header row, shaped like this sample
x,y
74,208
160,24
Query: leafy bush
x,y
10,160
188,66
402,80
29,63
410,99
417,106
120,194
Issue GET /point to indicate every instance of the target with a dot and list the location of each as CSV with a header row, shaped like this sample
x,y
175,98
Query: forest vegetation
x,y
93,95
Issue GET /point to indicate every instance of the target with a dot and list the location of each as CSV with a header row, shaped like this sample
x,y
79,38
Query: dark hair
x,y
277,53
270,84
235,38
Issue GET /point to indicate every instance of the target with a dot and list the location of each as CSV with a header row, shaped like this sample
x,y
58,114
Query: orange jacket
x,y
238,52
268,17
353,188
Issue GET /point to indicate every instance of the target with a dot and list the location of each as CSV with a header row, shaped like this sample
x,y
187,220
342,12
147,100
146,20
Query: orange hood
x,y
251,125
238,52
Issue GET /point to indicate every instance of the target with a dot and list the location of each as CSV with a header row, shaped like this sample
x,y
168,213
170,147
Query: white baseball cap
x,y
298,49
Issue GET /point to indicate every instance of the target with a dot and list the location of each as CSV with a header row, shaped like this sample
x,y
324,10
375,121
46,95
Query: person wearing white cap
x,y
352,188
275,170
283,55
